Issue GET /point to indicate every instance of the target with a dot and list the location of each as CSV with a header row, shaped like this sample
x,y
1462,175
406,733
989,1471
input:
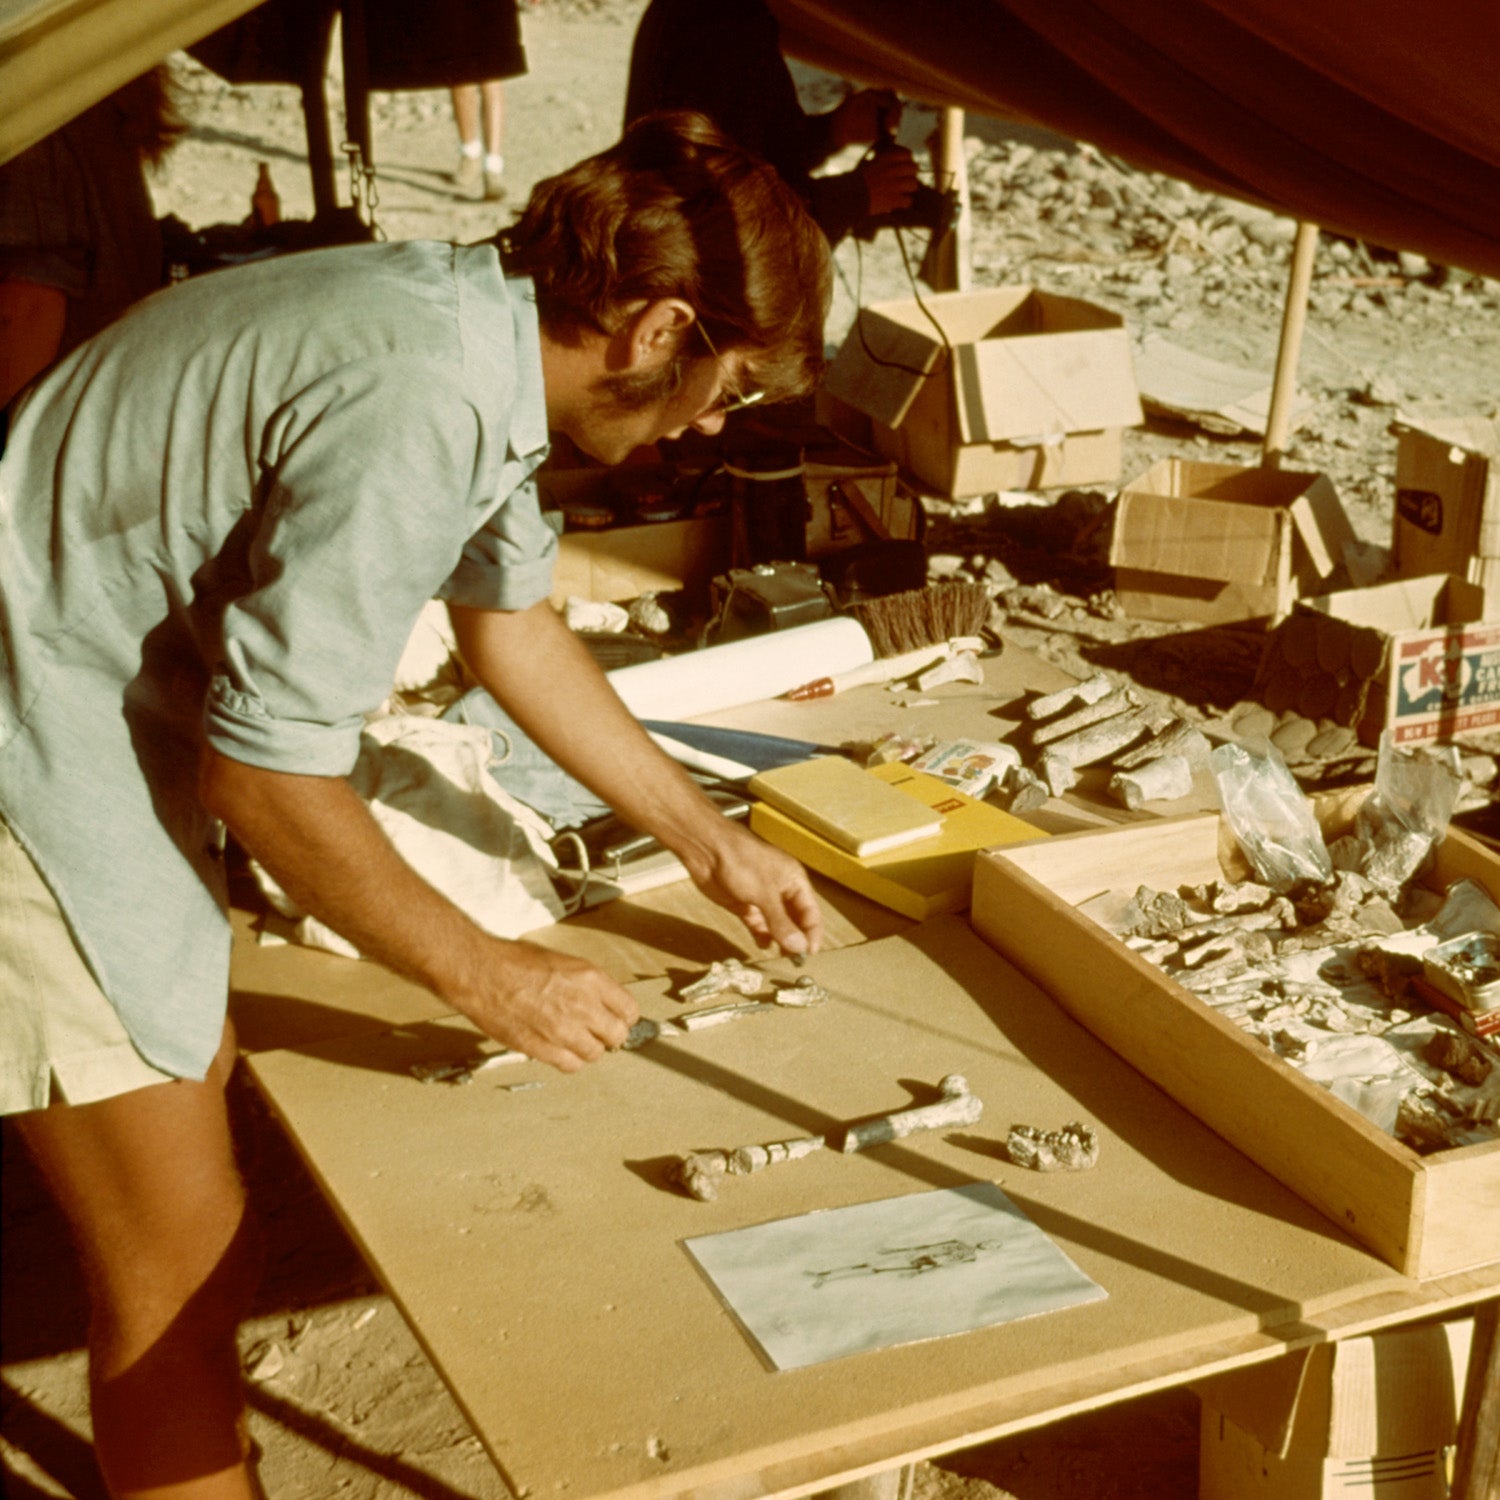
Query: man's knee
x,y
174,1292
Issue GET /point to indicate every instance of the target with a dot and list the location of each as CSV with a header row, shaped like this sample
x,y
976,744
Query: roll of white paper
x,y
760,666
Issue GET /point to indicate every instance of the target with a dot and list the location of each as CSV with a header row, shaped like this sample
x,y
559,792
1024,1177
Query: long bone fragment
x,y
1095,743
702,1172
1098,686
1121,701
1178,738
957,1107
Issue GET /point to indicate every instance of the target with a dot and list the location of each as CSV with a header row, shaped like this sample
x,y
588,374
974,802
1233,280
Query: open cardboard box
x,y
1448,502
1005,388
1413,655
1217,543
1424,1215
1361,1416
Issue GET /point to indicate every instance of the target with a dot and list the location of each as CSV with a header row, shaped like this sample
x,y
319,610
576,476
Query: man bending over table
x,y
219,519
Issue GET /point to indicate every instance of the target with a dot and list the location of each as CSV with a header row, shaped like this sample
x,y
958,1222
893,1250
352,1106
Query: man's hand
x,y
864,117
551,1006
319,841
546,680
890,179
765,888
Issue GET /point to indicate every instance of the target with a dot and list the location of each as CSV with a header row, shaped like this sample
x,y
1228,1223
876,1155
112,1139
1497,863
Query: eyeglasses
x,y
731,398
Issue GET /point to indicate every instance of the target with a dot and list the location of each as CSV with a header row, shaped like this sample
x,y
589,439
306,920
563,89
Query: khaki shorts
x,y
60,1039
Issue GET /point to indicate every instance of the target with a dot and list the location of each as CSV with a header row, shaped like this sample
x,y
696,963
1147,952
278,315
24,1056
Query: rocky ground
x,y
343,1400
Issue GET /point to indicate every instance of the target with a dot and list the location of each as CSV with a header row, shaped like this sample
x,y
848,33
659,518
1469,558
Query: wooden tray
x,y
1425,1215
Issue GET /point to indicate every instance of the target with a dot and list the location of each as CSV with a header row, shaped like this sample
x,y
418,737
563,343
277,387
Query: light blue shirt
x,y
219,520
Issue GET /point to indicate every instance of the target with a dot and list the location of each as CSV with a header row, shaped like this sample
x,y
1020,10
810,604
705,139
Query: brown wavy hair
x,y
676,209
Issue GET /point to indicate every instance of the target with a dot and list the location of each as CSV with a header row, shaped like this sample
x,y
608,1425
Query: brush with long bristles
x,y
908,631
898,623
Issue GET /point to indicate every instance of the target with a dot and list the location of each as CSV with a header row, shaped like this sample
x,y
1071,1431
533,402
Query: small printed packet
x,y
970,765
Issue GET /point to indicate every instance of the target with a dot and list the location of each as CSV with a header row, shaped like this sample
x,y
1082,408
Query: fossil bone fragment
x,y
1074,1148
1057,772
1097,742
464,1069
1109,707
805,992
1097,687
730,976
957,1107
1155,914
962,666
746,1159
1422,1124
1457,1055
1021,791
701,1173
1178,738
716,1015
1161,780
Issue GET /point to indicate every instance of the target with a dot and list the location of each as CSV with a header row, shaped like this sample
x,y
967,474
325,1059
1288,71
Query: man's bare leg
x,y
148,1184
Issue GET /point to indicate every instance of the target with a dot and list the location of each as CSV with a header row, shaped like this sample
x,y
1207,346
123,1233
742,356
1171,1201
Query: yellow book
x,y
919,880
845,804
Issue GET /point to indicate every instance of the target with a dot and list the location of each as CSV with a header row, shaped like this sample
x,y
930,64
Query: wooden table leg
x,y
1477,1473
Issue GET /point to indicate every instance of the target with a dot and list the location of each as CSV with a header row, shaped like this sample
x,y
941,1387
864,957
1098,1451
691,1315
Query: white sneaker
x,y
468,175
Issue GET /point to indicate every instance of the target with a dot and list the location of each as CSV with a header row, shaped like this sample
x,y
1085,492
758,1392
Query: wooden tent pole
x,y
1293,320
949,267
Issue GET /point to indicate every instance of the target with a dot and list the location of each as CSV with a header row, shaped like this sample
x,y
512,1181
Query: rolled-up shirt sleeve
x,y
508,564
370,496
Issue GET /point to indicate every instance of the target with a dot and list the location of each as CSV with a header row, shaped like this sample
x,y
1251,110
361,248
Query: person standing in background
x,y
481,153
79,239
479,107
724,58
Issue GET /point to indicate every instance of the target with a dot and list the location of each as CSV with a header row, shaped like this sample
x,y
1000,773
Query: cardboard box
x,y
847,489
1424,1215
1407,654
1448,502
1029,391
1369,1417
1216,543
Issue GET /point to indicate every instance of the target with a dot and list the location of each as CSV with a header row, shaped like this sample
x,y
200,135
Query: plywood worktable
x,y
532,1243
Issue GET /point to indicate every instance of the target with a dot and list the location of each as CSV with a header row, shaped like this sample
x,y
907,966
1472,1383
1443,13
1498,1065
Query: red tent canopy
x,y
1375,118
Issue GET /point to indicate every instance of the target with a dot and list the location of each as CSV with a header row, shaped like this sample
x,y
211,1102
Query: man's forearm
x,y
321,844
533,664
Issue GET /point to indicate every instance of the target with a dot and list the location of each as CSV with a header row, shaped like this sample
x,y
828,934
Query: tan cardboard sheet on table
x,y
531,1241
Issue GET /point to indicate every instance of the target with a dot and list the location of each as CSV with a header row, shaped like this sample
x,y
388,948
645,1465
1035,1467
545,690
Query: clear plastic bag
x,y
1270,816
1416,790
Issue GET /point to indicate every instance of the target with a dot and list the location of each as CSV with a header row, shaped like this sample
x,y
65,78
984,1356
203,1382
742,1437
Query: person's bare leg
x,y
493,95
466,111
149,1186
469,173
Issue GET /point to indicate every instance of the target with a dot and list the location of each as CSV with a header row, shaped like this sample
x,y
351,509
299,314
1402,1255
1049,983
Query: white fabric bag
x,y
426,783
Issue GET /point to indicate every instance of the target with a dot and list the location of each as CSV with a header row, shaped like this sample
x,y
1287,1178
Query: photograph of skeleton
x,y
823,1285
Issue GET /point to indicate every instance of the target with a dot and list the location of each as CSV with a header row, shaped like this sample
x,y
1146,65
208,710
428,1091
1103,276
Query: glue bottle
x,y
265,202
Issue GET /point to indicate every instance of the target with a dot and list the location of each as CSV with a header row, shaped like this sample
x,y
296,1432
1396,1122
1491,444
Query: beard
x,y
634,390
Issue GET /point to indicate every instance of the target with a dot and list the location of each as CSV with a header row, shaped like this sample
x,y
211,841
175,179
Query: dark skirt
x,y
424,44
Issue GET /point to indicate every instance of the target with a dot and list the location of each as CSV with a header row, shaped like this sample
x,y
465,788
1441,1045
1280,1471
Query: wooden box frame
x,y
1425,1215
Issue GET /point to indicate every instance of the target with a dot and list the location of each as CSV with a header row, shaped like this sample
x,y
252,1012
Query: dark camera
x,y
931,208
